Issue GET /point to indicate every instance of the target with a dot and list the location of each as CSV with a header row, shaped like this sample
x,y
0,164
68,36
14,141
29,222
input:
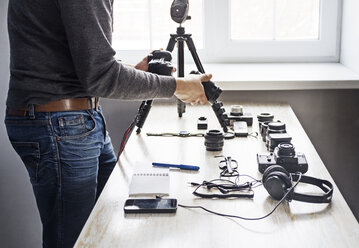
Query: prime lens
x,y
214,140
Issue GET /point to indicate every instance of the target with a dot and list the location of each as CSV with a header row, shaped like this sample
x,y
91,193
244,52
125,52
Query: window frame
x,y
219,48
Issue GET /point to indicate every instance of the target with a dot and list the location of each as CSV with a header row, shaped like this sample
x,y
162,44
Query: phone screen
x,y
150,206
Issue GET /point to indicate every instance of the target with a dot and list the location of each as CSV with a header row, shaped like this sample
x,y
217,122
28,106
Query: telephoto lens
x,y
214,140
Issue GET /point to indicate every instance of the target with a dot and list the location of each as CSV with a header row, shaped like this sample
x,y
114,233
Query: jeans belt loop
x,y
32,111
91,104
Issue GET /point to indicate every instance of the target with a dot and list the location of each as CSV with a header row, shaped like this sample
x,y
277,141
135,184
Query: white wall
x,y
350,35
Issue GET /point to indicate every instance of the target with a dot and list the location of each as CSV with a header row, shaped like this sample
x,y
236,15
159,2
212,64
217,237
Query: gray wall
x,y
19,220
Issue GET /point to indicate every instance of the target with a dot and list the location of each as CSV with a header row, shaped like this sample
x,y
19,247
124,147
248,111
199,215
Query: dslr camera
x,y
286,156
159,62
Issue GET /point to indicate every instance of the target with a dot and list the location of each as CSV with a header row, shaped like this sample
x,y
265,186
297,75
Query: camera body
x,y
237,114
274,139
179,11
159,62
286,156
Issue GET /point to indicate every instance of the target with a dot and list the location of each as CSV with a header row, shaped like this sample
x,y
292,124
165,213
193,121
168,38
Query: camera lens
x,y
214,140
274,127
237,110
262,117
263,130
286,149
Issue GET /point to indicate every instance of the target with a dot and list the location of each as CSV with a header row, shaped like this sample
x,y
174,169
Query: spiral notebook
x,y
150,182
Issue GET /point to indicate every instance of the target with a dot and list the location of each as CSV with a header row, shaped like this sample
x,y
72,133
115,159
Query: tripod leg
x,y
171,43
216,106
194,53
181,106
142,114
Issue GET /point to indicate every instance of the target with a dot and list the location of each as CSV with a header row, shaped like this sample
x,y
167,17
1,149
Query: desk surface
x,y
294,224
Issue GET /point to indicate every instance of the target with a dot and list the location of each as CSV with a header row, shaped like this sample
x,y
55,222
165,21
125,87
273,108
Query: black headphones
x,y
277,181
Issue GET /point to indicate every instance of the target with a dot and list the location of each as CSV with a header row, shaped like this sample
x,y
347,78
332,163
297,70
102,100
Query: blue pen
x,y
179,166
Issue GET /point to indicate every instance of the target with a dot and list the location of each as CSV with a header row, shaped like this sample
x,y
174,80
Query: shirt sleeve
x,y
88,27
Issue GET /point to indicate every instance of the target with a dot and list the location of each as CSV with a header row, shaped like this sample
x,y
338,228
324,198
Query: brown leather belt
x,y
72,104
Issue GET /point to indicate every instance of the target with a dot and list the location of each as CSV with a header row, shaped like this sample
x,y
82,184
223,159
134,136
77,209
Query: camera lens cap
x,y
229,135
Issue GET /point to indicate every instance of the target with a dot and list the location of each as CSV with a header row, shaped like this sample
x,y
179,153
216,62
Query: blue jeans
x,y
69,157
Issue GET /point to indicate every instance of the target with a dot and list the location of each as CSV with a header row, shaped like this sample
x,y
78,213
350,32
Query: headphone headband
x,y
324,185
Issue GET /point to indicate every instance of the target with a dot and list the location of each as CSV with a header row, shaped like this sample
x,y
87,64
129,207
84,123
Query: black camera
x,y
275,133
237,114
274,139
159,62
286,156
179,11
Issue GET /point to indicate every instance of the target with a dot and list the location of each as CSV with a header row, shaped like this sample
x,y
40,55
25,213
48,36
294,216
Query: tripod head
x,y
179,11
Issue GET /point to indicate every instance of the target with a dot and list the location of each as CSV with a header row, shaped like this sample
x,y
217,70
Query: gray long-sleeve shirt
x,y
62,49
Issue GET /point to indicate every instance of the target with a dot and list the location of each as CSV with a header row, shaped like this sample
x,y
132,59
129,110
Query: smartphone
x,y
150,206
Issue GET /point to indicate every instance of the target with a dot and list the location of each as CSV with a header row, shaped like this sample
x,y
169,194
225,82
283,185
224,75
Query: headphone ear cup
x,y
274,168
277,184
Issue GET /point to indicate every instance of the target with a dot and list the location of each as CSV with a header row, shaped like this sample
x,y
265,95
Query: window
x,y
147,24
234,30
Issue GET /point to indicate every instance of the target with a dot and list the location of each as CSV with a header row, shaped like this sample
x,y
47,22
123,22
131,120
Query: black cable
x,y
253,134
245,218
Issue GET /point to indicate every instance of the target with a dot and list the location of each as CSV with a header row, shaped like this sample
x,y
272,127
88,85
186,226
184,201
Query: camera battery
x,y
202,123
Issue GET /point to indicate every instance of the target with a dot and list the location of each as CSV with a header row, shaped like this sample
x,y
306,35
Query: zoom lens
x,y
214,140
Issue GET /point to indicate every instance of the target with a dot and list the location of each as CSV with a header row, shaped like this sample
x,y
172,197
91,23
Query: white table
x,y
294,224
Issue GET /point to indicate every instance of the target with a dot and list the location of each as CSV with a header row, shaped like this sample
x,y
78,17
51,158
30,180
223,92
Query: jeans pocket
x,y
29,153
72,126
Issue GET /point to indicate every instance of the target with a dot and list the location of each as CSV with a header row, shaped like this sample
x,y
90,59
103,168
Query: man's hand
x,y
190,88
142,65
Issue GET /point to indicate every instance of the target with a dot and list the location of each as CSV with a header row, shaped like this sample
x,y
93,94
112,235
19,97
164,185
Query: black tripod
x,y
212,92
180,37
160,64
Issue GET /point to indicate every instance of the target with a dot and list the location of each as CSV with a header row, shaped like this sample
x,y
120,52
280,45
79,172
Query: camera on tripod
x,y
179,11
